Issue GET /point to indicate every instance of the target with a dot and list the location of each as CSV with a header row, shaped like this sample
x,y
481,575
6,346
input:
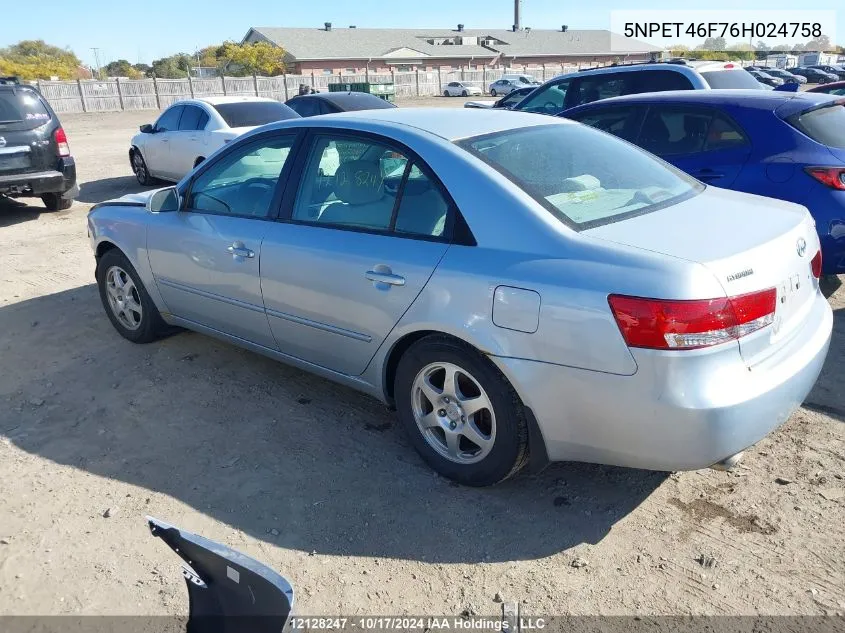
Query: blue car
x,y
787,145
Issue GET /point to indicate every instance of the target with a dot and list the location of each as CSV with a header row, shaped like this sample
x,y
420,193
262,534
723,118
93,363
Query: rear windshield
x,y
586,178
254,113
364,103
22,108
825,125
730,79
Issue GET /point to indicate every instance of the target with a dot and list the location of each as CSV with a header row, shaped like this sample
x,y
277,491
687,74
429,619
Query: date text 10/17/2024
x,y
423,623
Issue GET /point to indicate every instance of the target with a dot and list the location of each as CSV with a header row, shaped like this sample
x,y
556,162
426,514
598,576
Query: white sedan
x,y
189,131
460,89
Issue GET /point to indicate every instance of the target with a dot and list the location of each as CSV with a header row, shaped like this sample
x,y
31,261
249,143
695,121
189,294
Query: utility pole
x,y
97,60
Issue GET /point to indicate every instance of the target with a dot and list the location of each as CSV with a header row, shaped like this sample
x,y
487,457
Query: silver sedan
x,y
520,288
460,89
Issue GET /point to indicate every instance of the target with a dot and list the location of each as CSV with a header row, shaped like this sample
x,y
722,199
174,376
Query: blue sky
x,y
151,29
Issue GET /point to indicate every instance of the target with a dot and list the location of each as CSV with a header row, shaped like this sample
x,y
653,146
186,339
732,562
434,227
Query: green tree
x,y
143,69
173,67
121,68
259,58
35,59
820,44
714,44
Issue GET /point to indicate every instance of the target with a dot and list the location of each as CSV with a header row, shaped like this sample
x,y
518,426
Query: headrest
x,y
358,182
695,125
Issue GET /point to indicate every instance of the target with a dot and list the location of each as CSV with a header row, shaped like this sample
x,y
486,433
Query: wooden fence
x,y
157,94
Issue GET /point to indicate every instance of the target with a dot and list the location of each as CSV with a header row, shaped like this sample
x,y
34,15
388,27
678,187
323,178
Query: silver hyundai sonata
x,y
520,288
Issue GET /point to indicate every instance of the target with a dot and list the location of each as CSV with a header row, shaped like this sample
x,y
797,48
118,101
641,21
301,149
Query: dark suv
x,y
35,159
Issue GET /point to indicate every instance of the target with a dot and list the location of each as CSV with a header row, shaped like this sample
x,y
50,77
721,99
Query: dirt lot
x,y
318,482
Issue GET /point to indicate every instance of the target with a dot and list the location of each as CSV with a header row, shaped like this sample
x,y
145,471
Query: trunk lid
x,y
750,243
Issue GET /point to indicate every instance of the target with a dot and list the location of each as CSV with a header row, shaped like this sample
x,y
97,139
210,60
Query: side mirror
x,y
147,129
164,200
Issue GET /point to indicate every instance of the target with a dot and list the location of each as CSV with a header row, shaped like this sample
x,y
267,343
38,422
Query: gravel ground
x,y
318,482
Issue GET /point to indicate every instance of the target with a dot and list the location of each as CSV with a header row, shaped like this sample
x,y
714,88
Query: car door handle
x,y
385,278
239,250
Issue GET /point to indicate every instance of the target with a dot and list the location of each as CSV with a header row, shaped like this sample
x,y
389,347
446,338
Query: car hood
x,y
141,198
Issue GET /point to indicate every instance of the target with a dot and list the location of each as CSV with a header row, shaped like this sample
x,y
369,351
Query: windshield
x,y
586,178
730,79
254,113
22,106
825,125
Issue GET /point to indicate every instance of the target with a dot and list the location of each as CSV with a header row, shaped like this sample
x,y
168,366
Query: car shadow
x,y
278,453
14,211
827,396
97,191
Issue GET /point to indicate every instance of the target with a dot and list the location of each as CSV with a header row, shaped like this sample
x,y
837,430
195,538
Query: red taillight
x,y
833,177
62,148
729,65
816,265
677,325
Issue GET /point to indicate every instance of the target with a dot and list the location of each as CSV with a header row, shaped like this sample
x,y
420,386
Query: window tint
x,y
422,208
547,99
574,172
203,120
357,183
305,106
253,113
661,80
241,183
669,131
589,89
22,108
621,121
825,125
730,79
190,118
169,121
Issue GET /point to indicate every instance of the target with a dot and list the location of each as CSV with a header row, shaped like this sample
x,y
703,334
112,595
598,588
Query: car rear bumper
x,y
677,412
61,180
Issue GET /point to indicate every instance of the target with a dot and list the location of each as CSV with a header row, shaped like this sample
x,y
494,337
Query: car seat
x,y
361,199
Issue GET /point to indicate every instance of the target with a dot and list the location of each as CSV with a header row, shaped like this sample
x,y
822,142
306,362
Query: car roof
x,y
451,124
230,99
350,100
753,99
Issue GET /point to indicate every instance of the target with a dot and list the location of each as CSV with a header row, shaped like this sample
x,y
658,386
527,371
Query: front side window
x,y
190,119
305,106
549,99
169,121
589,89
368,185
574,172
669,131
242,182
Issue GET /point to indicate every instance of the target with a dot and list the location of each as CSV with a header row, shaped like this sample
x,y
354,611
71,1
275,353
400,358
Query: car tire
x,y
464,94
493,92
55,202
139,168
446,93
127,304
478,447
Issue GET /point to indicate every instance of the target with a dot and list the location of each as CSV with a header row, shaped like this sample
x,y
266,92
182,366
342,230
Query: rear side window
x,y
661,81
669,131
825,125
621,121
730,79
253,113
22,108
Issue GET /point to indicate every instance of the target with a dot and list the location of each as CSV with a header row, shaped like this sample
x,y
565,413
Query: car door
x,y
704,142
157,146
205,258
187,142
360,237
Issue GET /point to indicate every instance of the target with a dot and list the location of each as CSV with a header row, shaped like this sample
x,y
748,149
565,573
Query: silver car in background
x,y
520,288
